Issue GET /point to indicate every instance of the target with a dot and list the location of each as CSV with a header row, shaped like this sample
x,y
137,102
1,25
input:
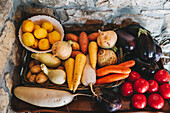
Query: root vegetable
x,y
36,69
75,53
93,36
72,37
106,57
62,49
75,46
41,78
32,78
47,59
28,75
80,62
43,97
106,39
93,53
129,63
57,76
69,66
83,41
33,63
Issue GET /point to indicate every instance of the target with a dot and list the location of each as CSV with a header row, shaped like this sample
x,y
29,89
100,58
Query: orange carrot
x,y
113,69
83,41
129,63
111,78
75,53
93,36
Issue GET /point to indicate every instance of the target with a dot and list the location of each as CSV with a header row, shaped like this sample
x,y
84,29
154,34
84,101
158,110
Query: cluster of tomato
x,y
156,89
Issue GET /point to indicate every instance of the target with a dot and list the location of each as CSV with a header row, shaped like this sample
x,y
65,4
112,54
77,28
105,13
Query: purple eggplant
x,y
125,40
158,53
108,100
147,70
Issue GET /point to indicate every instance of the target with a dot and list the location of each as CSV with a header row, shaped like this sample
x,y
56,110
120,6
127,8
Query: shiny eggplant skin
x,y
108,100
146,48
147,70
158,53
125,40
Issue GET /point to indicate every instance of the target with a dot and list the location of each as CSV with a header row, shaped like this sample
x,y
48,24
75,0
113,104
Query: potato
x,y
60,67
32,78
36,69
33,63
28,75
75,46
41,78
106,57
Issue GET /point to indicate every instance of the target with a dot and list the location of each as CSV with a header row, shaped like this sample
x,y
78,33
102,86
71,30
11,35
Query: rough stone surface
x,y
56,3
167,5
4,100
156,13
150,23
148,4
5,7
63,14
6,41
120,3
8,81
167,24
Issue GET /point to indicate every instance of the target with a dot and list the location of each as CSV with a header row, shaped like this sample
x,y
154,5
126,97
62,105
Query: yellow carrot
x,y
93,53
69,66
80,62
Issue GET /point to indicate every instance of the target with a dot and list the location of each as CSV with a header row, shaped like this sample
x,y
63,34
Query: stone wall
x,y
154,15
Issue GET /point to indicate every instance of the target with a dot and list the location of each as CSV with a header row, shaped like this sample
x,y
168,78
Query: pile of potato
x,y
35,73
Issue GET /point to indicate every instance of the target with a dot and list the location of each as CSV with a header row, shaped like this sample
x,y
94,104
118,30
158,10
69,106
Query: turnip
x,y
44,97
62,49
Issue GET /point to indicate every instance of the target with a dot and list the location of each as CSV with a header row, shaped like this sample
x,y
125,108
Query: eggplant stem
x,y
142,31
91,88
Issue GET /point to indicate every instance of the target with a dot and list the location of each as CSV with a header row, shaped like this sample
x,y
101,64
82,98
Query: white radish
x,y
89,75
44,97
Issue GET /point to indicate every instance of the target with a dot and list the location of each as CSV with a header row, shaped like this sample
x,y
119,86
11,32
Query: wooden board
x,y
80,104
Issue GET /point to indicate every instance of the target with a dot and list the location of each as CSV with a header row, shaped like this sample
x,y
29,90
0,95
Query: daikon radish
x,y
44,97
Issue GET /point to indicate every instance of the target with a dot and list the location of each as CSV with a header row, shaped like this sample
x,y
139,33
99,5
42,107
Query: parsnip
x,y
44,97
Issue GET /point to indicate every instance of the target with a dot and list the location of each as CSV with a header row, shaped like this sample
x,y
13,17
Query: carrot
x,y
75,53
93,36
129,63
93,54
72,37
113,69
83,41
111,78
69,66
80,62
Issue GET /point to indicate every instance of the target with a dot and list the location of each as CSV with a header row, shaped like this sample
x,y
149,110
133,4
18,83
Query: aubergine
x,y
125,40
147,70
158,53
146,47
108,100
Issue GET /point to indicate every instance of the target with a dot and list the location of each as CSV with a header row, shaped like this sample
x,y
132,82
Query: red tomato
x,y
153,86
141,85
139,101
127,89
133,76
164,90
162,76
155,101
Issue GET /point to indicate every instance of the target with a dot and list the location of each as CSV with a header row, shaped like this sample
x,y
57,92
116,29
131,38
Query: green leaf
x,y
142,31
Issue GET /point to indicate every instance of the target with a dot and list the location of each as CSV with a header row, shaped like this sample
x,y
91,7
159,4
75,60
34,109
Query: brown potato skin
x,y
32,78
60,67
33,63
93,36
41,78
84,42
35,69
75,53
28,75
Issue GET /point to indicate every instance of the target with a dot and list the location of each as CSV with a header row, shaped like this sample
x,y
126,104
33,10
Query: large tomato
x,y
162,76
141,85
133,76
127,89
155,101
164,90
139,101
153,86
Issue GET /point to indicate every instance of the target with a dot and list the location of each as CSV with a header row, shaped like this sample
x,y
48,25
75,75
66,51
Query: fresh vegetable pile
x,y
92,60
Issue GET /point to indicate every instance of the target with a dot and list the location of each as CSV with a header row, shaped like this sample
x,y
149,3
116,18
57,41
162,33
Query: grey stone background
x,y
154,15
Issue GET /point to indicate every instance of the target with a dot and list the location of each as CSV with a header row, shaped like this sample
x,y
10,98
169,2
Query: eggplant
x,y
147,70
125,40
158,53
108,100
